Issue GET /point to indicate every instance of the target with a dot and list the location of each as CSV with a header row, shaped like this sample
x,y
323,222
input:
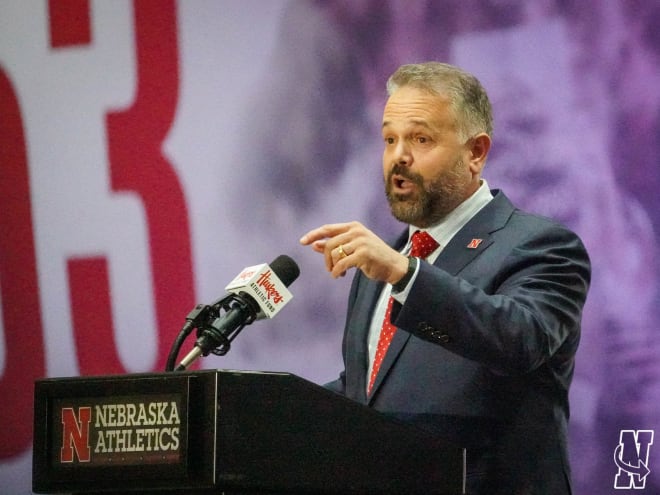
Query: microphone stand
x,y
195,318
217,326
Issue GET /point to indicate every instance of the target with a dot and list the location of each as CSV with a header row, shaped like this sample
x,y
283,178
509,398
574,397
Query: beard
x,y
431,201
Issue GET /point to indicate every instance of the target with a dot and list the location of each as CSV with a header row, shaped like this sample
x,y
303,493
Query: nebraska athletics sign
x,y
127,430
130,431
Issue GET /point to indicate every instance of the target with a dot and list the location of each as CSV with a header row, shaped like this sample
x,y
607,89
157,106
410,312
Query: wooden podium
x,y
227,432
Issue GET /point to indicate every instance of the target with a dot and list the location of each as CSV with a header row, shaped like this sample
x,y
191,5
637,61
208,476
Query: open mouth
x,y
402,185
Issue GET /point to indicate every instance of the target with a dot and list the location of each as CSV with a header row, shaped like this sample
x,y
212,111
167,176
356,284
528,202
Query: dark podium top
x,y
229,432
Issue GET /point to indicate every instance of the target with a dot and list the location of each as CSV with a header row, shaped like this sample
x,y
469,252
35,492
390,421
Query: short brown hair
x,y
466,94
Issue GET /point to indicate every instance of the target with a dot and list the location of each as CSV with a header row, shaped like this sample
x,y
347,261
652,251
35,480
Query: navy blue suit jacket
x,y
484,354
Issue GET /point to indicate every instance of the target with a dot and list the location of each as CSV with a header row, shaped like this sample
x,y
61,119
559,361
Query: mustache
x,y
404,171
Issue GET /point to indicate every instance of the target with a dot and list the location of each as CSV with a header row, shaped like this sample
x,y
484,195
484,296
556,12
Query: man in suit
x,y
475,337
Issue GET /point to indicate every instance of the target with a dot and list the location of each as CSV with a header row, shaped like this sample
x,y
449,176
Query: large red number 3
x,y
137,163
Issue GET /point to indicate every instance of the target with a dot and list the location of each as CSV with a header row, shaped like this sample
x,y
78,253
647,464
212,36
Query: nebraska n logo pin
x,y
474,243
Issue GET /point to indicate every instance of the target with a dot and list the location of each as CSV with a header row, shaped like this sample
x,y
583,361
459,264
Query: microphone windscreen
x,y
285,268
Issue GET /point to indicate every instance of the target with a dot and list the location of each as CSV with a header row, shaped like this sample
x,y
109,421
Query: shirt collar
x,y
444,231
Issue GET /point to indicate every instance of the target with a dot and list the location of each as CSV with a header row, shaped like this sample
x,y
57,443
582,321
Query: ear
x,y
478,147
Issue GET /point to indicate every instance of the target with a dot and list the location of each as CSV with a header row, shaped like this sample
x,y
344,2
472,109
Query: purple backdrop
x,y
266,116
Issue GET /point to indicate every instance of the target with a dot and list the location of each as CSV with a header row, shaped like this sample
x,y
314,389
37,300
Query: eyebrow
x,y
414,122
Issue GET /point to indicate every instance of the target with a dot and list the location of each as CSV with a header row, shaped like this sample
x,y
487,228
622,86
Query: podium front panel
x,y
227,432
135,431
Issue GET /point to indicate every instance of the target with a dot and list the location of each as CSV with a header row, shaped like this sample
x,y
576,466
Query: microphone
x,y
257,292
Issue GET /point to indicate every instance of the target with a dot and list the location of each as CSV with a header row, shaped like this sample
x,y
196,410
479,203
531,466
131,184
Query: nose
x,y
402,154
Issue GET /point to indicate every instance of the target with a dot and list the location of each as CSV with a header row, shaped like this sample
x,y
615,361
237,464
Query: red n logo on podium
x,y
75,434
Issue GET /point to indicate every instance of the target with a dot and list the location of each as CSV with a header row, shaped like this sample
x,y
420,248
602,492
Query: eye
x,y
389,140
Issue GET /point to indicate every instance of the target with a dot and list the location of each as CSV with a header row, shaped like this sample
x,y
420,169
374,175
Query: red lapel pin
x,y
474,243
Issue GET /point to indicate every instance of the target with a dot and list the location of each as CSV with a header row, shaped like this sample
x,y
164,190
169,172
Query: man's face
x,y
426,165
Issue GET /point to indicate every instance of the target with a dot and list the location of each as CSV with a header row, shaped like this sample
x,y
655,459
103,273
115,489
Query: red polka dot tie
x,y
422,245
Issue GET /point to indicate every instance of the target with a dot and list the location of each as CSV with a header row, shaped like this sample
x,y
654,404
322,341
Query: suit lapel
x,y
475,236
357,338
458,253
357,362
398,341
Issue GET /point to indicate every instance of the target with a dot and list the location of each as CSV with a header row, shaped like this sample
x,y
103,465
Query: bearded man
x,y
468,324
